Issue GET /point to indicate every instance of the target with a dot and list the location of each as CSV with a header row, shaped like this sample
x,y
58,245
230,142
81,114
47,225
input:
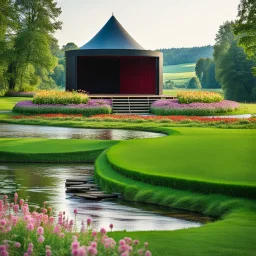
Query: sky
x,y
153,24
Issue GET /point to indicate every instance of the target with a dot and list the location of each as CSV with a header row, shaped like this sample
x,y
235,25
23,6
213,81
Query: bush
x,y
194,83
173,107
93,107
11,93
57,97
204,97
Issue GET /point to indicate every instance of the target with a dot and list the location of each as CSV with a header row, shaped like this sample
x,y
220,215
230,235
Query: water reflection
x,y
45,182
35,131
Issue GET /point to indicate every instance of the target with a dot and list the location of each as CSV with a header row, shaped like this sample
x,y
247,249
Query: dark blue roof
x,y
112,36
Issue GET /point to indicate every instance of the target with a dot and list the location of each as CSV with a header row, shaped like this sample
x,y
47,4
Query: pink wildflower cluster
x,y
26,233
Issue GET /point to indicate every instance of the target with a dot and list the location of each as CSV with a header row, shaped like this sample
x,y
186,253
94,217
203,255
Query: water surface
x,y
52,132
46,183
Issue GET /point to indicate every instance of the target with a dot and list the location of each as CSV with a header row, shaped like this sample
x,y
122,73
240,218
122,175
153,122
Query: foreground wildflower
x,y
25,233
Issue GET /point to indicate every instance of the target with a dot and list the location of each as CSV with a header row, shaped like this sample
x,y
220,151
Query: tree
x,y
32,42
194,83
233,70
246,28
69,46
205,71
169,84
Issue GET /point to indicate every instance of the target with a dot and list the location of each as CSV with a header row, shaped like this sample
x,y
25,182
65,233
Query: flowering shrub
x,y
173,107
57,97
32,233
93,107
49,116
204,97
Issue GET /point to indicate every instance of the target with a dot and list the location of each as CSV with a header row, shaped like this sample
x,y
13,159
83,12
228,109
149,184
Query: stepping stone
x,y
70,183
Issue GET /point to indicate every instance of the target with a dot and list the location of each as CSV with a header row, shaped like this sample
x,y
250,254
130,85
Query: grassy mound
x,y
51,150
203,160
234,235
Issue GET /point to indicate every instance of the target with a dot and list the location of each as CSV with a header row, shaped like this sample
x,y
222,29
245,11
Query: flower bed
x,y
57,97
40,233
138,119
173,107
93,107
175,119
204,97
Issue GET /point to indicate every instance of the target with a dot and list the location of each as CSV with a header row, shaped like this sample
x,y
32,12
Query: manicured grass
x,y
7,103
51,150
211,159
233,235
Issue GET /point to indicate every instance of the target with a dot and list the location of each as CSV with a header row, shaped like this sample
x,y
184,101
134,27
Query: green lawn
x,y
7,103
52,145
51,150
202,155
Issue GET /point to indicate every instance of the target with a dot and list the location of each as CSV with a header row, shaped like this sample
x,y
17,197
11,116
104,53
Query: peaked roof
x,y
112,36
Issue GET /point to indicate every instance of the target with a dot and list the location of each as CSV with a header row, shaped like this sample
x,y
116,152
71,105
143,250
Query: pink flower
x,y
41,239
75,211
3,222
122,242
111,226
146,245
148,253
94,233
81,251
51,219
48,252
92,250
94,244
103,231
30,226
75,245
57,229
89,221
136,242
40,230
21,202
17,245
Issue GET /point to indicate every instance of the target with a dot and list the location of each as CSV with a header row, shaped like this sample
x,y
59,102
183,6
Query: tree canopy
x,y
233,69
194,83
246,28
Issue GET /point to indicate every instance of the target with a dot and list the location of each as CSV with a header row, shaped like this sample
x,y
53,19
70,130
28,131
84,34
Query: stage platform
x,y
134,103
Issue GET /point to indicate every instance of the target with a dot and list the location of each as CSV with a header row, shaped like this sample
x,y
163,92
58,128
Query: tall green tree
x,y
233,70
8,26
246,28
32,43
205,71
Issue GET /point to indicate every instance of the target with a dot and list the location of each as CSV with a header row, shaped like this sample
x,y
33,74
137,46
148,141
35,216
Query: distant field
x,y
179,74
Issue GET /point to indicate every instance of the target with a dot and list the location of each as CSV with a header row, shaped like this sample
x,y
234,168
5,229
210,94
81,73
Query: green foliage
x,y
246,28
169,84
57,97
205,71
233,70
175,56
27,35
194,83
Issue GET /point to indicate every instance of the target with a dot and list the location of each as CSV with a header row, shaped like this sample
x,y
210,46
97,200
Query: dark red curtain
x,y
137,75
